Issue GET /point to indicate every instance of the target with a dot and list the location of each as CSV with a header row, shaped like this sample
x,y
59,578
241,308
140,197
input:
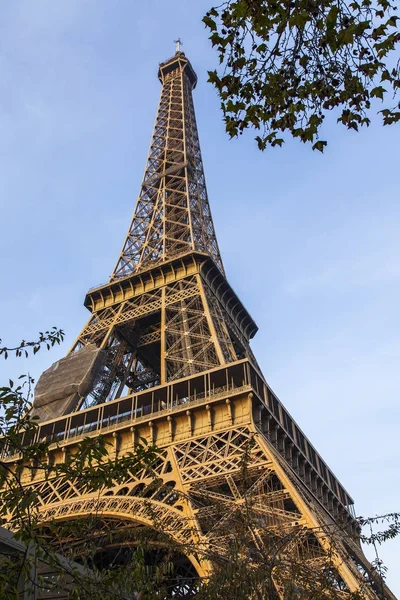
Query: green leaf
x,y
277,142
360,28
229,107
212,77
377,92
378,32
262,144
239,63
392,21
215,38
386,76
346,36
299,20
304,60
210,23
320,145
240,9
332,17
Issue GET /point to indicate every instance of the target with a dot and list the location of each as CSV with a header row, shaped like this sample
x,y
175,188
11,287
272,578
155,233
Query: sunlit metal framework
x,y
177,370
172,214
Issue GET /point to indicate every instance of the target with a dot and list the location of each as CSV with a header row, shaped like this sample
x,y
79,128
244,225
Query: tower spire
x,y
172,215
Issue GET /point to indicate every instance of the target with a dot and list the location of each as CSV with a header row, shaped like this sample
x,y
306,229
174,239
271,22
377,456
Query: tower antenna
x,y
178,43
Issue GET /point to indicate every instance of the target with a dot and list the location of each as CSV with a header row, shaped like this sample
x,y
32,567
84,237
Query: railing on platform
x,y
153,402
226,380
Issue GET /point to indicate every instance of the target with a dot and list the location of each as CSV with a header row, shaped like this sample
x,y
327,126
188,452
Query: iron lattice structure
x,y
165,356
172,214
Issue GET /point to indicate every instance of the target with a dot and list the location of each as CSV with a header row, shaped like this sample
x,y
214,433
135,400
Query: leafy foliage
x,y
48,339
378,537
287,62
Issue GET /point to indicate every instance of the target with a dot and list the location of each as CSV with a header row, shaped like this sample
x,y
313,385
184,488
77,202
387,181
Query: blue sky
x,y
310,242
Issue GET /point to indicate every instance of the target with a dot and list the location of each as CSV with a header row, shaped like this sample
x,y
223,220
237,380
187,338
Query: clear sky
x,y
310,242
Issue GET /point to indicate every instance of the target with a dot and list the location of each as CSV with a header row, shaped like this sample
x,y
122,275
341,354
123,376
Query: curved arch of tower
x,y
166,356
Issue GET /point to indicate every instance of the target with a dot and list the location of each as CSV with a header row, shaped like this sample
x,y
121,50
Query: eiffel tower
x,y
165,356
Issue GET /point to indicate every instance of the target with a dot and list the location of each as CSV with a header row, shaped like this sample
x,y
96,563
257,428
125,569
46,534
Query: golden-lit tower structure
x,y
165,356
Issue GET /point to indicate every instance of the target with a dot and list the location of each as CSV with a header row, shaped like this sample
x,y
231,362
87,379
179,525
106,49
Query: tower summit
x,y
172,215
165,356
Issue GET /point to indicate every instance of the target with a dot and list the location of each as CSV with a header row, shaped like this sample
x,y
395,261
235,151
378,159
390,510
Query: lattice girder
x,y
173,326
208,470
172,214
